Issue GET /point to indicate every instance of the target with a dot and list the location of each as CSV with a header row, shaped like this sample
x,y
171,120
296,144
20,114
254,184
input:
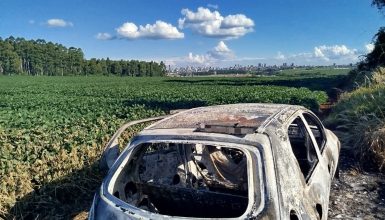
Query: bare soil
x,y
356,194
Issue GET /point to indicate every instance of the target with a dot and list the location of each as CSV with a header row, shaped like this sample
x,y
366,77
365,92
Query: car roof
x,y
250,115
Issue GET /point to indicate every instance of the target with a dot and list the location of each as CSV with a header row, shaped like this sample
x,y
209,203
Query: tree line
x,y
38,57
371,61
376,58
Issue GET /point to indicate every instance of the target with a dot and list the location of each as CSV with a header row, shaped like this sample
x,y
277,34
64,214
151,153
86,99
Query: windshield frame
x,y
255,170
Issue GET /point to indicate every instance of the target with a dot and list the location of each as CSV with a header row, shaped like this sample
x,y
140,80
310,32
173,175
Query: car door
x,y
302,175
327,145
314,177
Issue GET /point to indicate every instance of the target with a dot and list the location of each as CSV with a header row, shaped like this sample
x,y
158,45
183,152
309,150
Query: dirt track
x,y
357,195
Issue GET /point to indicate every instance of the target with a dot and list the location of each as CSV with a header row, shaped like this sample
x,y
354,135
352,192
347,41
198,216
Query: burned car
x,y
247,161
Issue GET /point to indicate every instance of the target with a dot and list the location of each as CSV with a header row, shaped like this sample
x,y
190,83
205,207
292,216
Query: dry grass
x,y
60,192
379,75
360,116
376,142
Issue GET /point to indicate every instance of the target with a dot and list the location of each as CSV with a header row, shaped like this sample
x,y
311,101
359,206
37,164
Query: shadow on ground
x,y
167,106
61,199
325,83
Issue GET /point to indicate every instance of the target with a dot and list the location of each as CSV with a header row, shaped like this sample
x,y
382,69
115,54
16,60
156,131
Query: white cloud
x,y
318,52
369,47
222,55
159,30
202,15
212,24
212,6
199,59
244,59
335,52
104,36
321,55
238,20
221,51
280,56
222,47
57,22
128,30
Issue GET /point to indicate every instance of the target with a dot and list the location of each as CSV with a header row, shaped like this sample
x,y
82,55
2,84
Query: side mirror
x,y
111,151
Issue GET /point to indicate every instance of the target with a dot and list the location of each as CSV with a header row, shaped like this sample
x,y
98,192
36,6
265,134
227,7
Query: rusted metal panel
x,y
254,175
244,115
111,150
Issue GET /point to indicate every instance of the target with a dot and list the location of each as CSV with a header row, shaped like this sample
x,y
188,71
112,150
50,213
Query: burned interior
x,y
303,147
252,161
185,179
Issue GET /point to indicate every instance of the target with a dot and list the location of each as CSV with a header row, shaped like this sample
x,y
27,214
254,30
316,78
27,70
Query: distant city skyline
x,y
259,69
201,33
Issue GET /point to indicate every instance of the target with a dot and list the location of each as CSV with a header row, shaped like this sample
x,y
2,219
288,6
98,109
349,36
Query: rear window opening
x,y
186,180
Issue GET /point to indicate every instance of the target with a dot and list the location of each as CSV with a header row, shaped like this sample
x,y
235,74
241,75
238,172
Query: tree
x,y
163,68
116,69
103,66
377,56
10,62
125,66
380,4
108,64
38,57
373,59
93,67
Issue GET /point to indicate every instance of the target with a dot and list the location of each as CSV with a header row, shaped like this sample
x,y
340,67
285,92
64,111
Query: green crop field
x,y
53,129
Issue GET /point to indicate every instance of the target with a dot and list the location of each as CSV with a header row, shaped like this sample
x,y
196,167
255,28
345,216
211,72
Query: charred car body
x,y
263,161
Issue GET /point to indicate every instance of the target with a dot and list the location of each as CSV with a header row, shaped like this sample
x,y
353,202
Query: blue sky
x,y
200,32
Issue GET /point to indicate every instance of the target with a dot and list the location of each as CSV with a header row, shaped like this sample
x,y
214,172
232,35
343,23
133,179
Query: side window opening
x,y
302,147
317,130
